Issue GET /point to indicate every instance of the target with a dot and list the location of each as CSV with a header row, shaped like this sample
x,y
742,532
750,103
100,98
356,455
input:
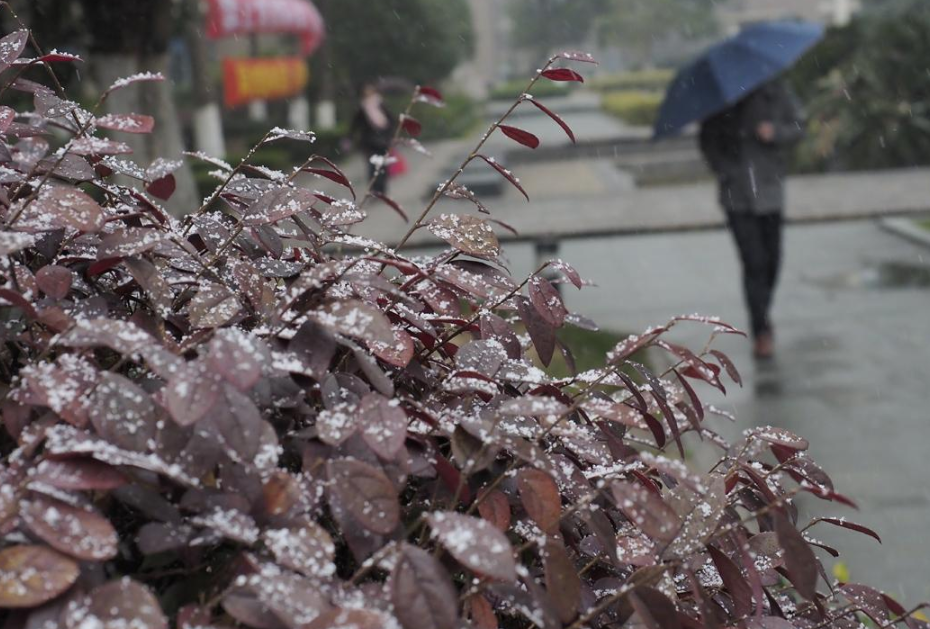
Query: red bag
x,y
398,165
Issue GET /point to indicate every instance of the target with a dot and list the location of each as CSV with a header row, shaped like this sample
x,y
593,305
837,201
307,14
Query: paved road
x,y
851,372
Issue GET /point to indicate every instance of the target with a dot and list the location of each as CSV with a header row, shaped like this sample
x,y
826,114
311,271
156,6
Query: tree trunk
x,y
208,119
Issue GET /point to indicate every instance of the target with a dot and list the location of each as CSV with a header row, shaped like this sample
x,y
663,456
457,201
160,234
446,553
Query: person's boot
x,y
764,347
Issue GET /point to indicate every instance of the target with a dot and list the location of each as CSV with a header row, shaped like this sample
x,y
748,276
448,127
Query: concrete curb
x,y
905,228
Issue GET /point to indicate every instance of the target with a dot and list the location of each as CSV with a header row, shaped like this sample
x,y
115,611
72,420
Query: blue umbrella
x,y
729,71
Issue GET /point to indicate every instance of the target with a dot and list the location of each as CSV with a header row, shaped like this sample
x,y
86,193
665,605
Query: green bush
x,y
867,95
510,90
654,80
457,119
634,107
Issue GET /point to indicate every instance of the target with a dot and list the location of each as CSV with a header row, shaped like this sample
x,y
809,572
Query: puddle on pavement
x,y
879,276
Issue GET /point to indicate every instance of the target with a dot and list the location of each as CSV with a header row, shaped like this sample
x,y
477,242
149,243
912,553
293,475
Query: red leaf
x,y
430,95
519,135
54,281
728,365
733,580
799,558
384,425
333,173
555,117
506,173
366,493
162,188
852,526
127,123
33,575
495,508
547,301
411,125
562,74
476,544
541,499
18,301
102,266
59,57
647,511
11,47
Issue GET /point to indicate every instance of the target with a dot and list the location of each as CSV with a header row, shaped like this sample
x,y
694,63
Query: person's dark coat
x,y
372,140
751,172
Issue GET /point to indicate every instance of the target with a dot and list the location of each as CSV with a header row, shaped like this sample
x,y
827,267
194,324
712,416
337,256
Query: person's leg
x,y
747,233
771,228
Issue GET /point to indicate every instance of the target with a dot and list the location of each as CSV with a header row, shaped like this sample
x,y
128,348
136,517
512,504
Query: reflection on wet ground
x,y
880,275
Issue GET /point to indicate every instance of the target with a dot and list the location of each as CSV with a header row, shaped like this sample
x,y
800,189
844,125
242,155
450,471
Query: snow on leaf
x,y
278,133
576,55
58,207
467,233
430,96
356,319
509,176
127,123
91,146
458,191
304,547
74,531
121,604
476,544
646,511
139,77
11,47
33,575
547,301
384,425
214,305
338,423
366,493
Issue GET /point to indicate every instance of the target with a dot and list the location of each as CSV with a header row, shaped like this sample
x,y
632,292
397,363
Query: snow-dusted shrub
x,y
250,417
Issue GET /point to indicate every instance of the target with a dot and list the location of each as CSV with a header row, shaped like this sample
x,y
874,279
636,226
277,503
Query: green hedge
x,y
634,107
643,80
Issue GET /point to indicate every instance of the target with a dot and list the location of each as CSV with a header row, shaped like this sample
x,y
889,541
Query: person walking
x,y
372,130
746,146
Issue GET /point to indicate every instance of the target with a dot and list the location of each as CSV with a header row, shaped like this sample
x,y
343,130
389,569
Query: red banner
x,y
241,17
245,80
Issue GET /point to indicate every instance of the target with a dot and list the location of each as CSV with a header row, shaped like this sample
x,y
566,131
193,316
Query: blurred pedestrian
x,y
372,130
745,146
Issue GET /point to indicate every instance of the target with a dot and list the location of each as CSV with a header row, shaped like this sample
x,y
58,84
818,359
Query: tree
x,y
637,25
423,40
541,25
868,97
124,38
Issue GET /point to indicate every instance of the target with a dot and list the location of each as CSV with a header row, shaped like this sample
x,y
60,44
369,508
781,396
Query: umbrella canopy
x,y
729,71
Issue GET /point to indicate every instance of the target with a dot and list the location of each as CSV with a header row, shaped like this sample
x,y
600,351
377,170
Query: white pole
x,y
842,12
